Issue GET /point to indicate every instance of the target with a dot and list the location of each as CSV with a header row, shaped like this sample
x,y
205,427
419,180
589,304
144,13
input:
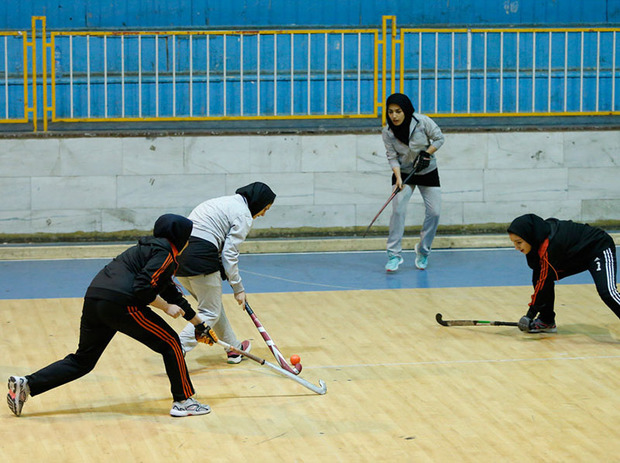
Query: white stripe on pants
x,y
431,195
603,271
207,290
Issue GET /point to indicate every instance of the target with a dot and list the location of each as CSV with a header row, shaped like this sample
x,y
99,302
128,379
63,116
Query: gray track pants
x,y
432,202
207,290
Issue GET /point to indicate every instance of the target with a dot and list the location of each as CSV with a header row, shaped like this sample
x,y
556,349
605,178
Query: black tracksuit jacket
x,y
568,250
138,275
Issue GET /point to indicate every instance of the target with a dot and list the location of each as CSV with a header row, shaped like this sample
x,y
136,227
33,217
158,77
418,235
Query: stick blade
x,y
443,322
440,320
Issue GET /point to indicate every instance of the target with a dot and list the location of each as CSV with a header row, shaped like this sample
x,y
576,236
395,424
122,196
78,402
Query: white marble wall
x,y
322,181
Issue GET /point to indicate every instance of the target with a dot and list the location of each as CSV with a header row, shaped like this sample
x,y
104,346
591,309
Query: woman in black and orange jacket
x,y
118,299
555,249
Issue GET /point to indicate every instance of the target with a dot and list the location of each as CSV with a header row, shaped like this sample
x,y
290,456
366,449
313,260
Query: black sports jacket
x,y
139,274
569,249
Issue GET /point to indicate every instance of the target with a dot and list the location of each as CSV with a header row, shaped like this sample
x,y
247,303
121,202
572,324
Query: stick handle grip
x,y
410,175
248,309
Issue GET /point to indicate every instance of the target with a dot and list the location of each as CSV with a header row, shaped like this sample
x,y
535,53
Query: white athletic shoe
x,y
18,394
189,407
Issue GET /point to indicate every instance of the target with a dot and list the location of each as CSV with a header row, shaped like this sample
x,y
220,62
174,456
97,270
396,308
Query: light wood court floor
x,y
401,388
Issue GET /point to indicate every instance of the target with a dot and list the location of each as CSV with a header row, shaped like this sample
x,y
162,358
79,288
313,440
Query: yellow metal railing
x,y
99,76
231,82
554,87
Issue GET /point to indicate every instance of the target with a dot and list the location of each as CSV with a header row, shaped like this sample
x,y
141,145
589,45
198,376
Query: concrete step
x,y
251,246
259,246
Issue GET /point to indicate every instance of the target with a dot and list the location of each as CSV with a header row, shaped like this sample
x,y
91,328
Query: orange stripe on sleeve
x,y
544,270
160,270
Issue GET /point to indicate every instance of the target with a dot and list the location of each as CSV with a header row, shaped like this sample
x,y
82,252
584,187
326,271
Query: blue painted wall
x,y
201,14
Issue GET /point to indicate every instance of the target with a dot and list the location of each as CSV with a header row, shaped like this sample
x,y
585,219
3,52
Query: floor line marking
x,y
296,281
457,362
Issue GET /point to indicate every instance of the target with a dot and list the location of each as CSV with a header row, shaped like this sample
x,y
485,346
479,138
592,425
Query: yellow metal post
x,y
25,64
394,41
393,57
44,66
32,110
384,43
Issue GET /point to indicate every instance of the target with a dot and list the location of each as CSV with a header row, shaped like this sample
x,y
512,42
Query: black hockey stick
x,y
394,193
443,322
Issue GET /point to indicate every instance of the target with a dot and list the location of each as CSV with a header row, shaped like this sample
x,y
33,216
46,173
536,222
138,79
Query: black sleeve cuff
x,y
187,308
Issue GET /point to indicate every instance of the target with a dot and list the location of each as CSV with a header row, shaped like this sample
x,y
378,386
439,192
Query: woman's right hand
x,y
240,298
174,311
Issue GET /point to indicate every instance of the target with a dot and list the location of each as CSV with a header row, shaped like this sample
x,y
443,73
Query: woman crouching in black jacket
x,y
555,249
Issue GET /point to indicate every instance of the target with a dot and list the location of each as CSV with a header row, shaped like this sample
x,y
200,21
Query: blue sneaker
x,y
420,261
393,262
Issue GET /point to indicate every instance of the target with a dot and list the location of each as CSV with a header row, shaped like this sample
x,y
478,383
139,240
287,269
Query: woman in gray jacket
x,y
220,226
411,139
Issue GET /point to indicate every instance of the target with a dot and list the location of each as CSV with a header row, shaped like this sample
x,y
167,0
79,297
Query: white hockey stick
x,y
321,389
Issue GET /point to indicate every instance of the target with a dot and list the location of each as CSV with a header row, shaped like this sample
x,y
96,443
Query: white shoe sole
x,y
177,413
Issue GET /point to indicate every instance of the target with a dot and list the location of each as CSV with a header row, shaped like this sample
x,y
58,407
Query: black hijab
x,y
401,131
258,195
532,229
175,228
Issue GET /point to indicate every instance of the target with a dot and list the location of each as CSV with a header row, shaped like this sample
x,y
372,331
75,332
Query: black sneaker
x,y
538,326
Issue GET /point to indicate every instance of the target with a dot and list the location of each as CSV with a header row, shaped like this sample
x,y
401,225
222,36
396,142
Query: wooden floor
x,y
401,388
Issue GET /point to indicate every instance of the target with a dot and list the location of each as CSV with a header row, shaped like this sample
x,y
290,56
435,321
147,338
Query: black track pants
x,y
100,322
603,270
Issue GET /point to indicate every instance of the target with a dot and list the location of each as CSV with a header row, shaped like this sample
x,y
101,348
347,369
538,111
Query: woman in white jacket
x,y
408,136
220,226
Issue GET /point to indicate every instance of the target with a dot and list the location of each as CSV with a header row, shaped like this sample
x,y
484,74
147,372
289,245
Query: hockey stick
x,y
320,389
394,193
443,322
272,346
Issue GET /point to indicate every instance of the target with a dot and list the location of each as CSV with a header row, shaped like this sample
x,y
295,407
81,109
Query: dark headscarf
x,y
534,230
531,228
401,131
258,195
175,228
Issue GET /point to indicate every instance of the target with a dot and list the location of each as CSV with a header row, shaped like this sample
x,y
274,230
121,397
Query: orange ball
x,y
295,359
